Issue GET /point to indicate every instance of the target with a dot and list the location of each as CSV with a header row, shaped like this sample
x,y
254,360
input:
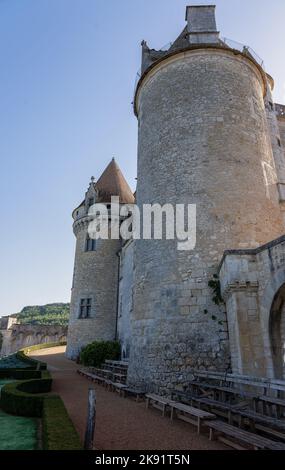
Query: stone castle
x,y
209,134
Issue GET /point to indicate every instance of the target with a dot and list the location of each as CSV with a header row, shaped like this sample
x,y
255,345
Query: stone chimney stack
x,y
201,24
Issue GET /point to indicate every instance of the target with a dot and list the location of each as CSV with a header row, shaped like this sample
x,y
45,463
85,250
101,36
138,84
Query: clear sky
x,y
67,71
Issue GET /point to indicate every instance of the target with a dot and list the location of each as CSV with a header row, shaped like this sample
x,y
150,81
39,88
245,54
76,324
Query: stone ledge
x,y
252,251
240,286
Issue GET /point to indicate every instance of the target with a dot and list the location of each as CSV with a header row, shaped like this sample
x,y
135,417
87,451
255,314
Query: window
x,y
90,244
279,142
85,308
90,201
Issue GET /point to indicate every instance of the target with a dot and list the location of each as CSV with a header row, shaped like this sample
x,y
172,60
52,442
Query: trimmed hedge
x,y
13,362
33,363
28,398
95,354
59,432
25,398
20,374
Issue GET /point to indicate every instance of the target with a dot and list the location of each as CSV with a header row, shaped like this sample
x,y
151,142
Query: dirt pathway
x,y
121,424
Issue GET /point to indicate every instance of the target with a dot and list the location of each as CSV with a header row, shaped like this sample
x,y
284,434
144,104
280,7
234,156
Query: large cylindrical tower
x,y
204,140
94,298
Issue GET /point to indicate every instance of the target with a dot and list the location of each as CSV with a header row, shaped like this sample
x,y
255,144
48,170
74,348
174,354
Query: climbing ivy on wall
x,y
215,285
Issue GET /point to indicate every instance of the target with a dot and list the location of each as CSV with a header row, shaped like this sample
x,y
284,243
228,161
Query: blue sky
x,y
66,83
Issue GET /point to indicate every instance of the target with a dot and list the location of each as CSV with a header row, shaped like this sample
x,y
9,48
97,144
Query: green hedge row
x,y
20,374
25,398
32,362
28,398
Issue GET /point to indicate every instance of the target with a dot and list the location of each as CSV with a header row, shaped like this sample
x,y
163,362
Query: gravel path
x,y
121,424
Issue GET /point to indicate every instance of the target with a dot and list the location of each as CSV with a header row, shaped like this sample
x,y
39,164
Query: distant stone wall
x,y
20,336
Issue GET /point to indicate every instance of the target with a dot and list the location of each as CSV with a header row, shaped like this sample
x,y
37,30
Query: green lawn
x,y
17,432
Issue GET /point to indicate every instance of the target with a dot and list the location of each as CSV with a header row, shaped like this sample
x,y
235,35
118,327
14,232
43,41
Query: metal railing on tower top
x,y
247,50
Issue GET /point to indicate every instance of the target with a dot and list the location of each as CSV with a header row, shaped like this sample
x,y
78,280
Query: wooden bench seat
x,y
223,391
119,377
94,377
214,404
190,414
256,418
245,437
157,402
138,394
117,386
272,400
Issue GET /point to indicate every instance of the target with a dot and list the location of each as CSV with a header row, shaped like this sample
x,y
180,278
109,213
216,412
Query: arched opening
x,y
277,333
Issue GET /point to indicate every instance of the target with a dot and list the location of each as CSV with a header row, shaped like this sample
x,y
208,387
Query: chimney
x,y
201,24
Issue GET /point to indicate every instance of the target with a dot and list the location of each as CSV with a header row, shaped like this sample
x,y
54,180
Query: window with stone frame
x,y
91,201
90,244
85,308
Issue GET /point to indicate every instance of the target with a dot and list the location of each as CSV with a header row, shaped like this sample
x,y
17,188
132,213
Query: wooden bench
x,y
217,407
158,402
245,437
119,377
93,377
270,405
268,425
258,383
220,393
138,394
190,414
117,387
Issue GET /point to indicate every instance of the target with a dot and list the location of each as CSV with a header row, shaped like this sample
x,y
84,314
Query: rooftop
x,y
113,183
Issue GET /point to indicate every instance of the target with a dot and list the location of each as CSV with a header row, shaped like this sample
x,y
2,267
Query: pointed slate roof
x,y
113,183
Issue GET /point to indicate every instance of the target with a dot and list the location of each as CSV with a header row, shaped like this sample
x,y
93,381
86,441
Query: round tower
x,y
202,139
93,309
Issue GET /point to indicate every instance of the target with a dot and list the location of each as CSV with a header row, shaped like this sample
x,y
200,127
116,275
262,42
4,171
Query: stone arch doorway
x,y
277,333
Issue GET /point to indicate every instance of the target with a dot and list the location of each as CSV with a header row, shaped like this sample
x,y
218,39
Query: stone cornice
x,y
251,251
239,286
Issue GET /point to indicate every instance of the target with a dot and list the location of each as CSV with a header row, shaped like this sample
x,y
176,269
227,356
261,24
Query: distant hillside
x,y
50,314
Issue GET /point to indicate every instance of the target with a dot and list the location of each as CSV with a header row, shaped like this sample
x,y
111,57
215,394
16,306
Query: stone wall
x,y
276,144
125,298
203,139
20,336
251,281
281,122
